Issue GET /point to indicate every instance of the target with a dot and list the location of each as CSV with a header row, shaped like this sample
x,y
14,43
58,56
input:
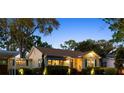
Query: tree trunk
x,y
20,51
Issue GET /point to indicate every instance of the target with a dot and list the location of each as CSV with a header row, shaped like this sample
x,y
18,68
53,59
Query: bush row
x,y
33,71
57,70
100,71
63,70
51,70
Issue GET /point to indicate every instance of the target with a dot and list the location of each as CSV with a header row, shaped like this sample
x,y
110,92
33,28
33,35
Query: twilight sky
x,y
78,29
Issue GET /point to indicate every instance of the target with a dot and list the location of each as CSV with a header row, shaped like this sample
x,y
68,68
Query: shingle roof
x,y
60,52
7,54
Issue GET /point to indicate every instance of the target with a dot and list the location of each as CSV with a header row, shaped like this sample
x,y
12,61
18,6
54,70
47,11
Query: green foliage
x,y
69,45
57,70
18,33
101,47
117,26
45,44
119,57
86,71
33,71
110,71
26,71
100,71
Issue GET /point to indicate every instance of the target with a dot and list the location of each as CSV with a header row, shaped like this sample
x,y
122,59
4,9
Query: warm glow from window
x,y
20,62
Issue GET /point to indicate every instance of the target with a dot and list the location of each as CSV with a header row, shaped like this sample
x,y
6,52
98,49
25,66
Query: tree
x,y
46,45
101,47
119,58
116,25
38,43
105,47
69,45
86,45
20,32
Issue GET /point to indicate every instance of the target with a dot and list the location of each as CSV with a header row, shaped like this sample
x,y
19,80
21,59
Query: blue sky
x,y
78,29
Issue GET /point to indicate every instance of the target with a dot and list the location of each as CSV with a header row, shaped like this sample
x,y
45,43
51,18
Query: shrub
x,y
105,71
37,71
74,72
28,71
99,71
86,71
57,70
110,71
119,58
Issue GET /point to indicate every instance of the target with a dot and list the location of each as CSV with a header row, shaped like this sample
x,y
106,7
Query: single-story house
x,y
73,59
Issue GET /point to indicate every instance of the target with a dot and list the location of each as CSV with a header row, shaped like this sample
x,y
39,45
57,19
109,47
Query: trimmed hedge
x,y
51,70
37,71
74,72
86,71
110,71
63,70
33,71
57,70
100,71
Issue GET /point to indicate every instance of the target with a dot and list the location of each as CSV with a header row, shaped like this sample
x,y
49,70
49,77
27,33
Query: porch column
x,y
14,66
97,61
45,60
85,63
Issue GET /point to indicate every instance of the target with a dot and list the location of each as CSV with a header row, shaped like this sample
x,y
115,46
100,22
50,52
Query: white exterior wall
x,y
35,56
110,62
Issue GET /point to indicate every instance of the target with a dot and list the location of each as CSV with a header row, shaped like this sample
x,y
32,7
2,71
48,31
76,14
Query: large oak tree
x,y
18,33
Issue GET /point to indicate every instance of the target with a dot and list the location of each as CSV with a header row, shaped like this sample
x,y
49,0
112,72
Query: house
x,y
10,62
110,59
6,58
73,59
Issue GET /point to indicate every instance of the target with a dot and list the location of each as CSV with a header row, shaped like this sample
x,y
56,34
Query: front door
x,y
89,62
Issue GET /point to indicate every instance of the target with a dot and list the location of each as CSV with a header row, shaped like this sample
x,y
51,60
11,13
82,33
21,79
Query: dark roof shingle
x,y
60,52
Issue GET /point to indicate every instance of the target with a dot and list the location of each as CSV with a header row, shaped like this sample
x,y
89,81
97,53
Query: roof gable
x,y
62,53
59,52
7,54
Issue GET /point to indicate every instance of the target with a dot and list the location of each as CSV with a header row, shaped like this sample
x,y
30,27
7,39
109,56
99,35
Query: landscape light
x,y
21,71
